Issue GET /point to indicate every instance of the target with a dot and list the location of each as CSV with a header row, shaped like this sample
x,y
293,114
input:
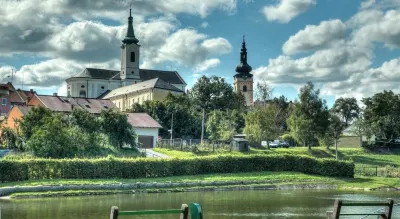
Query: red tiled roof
x,y
67,104
142,120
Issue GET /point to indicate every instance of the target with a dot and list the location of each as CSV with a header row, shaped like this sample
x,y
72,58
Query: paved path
x,y
151,153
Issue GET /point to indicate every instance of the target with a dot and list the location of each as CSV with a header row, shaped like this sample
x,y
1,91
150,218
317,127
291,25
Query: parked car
x,y
278,144
274,144
284,144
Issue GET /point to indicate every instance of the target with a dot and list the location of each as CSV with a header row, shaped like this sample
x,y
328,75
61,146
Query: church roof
x,y
153,83
171,77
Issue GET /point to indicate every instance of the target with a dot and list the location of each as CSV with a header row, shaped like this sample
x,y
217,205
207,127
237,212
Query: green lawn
x,y
263,178
360,156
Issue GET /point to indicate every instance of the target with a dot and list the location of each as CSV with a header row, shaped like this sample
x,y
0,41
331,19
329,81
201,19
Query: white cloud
x,y
207,64
62,91
188,47
367,4
314,37
376,26
336,63
204,24
285,10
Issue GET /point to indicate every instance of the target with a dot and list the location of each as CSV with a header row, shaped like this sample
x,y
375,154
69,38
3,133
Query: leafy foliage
x,y
347,109
382,114
214,93
220,126
106,168
261,124
310,117
116,126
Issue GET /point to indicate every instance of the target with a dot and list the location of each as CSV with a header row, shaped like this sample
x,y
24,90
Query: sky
x,y
347,48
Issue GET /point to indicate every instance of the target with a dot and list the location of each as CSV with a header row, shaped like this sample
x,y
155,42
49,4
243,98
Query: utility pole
x,y
202,128
172,125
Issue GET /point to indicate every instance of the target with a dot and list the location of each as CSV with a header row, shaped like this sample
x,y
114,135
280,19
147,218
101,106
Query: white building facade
x,y
93,83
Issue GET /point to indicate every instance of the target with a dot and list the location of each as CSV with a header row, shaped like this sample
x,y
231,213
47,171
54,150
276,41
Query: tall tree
x,y
311,112
347,109
214,93
261,124
284,109
220,126
382,114
116,126
263,91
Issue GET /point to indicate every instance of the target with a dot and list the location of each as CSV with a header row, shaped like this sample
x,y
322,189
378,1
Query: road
x,y
151,153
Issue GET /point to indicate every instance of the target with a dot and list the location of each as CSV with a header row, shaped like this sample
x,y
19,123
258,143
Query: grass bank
x,y
252,180
359,156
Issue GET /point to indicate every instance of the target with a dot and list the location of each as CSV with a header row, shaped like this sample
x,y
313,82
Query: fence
x,y
192,144
386,171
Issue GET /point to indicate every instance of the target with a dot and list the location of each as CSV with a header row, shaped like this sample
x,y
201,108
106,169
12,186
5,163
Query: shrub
x,y
110,167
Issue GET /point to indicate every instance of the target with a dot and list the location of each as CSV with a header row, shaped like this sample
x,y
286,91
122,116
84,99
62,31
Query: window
x,y
82,93
3,101
119,105
244,88
132,57
82,86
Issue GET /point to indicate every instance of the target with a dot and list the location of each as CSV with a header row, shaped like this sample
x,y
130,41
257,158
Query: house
x,y
16,112
154,89
93,82
57,104
146,129
10,96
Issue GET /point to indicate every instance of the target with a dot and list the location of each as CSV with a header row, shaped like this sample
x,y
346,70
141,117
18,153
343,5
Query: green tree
x,y
51,139
347,109
263,91
382,114
261,124
214,93
117,128
220,126
32,121
301,127
9,138
310,116
284,109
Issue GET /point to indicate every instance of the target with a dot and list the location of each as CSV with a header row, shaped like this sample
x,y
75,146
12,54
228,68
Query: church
x,y
243,79
97,83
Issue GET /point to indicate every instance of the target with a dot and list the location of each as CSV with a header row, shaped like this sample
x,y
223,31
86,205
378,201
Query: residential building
x,y
146,129
154,89
92,83
243,79
57,104
9,96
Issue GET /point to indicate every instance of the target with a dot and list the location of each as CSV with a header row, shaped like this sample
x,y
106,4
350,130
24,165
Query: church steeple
x,y
130,35
243,69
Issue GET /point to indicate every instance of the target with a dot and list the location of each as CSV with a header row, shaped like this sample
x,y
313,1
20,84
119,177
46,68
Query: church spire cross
x,y
130,34
243,68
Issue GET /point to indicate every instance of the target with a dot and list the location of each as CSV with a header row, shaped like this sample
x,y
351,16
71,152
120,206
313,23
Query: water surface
x,y
222,205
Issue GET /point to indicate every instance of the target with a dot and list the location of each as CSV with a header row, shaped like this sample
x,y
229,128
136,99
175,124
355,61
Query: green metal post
x,y
196,212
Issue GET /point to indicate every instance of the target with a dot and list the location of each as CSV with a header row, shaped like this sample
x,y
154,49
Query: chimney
x,y
54,94
72,107
31,90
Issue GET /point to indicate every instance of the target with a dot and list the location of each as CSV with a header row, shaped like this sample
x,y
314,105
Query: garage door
x,y
146,141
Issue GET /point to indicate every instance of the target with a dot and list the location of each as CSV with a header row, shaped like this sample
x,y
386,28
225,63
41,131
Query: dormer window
x,y
132,57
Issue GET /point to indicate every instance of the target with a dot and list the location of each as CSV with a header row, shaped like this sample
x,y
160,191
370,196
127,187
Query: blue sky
x,y
346,47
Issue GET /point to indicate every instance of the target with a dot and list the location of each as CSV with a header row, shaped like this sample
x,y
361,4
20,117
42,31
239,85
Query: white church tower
x,y
130,53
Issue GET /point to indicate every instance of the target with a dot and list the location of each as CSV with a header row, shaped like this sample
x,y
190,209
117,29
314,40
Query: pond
x,y
223,204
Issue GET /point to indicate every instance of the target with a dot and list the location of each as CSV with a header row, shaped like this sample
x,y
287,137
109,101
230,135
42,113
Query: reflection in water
x,y
221,205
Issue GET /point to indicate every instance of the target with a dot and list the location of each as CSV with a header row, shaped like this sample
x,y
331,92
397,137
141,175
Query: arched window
x,y
244,88
82,93
132,56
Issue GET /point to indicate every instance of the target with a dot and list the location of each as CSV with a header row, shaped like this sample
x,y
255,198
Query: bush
x,y
110,167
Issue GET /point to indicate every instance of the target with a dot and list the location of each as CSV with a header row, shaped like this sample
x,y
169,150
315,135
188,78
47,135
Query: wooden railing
x,y
196,212
386,214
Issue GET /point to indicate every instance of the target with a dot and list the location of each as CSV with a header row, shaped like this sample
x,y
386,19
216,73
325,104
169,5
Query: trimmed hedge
x,y
29,169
